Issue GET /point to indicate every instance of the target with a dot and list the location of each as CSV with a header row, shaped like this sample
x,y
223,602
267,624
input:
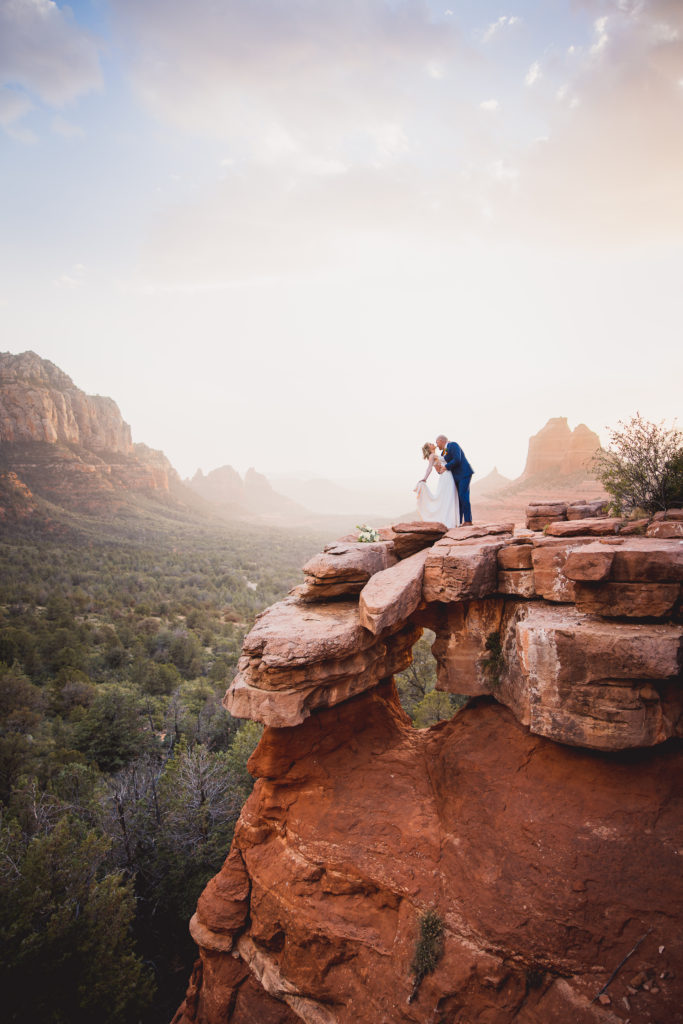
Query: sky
x,y
307,235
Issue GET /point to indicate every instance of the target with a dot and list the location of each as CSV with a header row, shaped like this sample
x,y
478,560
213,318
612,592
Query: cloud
x,y
357,144
505,21
613,163
601,36
45,53
328,77
44,50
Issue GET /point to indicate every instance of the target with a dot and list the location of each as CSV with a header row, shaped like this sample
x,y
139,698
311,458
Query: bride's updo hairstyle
x,y
426,450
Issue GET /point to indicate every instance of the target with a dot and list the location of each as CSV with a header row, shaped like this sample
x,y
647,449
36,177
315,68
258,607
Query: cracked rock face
x,y
527,850
544,823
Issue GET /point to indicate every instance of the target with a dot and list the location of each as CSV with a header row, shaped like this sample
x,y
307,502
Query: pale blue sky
x,y
288,233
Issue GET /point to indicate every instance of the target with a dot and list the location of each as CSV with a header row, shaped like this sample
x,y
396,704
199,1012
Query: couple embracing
x,y
450,503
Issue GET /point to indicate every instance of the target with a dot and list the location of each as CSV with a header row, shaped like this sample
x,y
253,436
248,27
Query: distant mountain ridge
x,y
558,465
75,451
225,488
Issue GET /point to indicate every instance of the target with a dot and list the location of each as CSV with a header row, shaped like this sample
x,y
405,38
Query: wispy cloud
x,y
505,21
533,74
45,51
329,77
615,148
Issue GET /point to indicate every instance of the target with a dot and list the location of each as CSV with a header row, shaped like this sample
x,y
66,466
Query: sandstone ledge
x,y
559,605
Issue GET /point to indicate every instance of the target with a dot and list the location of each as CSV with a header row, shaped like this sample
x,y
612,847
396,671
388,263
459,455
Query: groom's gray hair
x,y
441,437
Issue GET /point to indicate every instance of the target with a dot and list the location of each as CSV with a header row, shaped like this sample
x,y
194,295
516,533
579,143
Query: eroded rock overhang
x,y
574,624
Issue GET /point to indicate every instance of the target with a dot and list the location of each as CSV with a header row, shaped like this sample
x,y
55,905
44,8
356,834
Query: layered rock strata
x,y
39,402
73,449
512,821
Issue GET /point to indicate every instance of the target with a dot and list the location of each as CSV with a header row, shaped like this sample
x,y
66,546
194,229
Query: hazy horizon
x,y
306,237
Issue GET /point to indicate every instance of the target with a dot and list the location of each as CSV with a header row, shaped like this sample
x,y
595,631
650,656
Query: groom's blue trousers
x,y
464,499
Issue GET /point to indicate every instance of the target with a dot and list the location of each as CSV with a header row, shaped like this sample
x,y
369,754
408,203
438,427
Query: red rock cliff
x,y
543,824
38,402
72,448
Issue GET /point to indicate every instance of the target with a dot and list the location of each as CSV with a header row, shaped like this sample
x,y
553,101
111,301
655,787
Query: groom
x,y
462,474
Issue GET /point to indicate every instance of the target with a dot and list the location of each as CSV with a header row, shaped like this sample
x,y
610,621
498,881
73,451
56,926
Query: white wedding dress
x,y
442,506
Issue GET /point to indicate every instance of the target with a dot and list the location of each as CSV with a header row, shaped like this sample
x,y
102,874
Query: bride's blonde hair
x,y
426,449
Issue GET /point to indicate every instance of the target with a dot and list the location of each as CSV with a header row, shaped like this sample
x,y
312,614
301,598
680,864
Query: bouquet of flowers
x,y
366,534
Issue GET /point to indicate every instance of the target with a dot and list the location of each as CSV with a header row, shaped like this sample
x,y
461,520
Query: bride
x,y
442,506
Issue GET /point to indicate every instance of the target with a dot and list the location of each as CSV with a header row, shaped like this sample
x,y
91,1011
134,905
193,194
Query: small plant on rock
x,y
366,534
494,664
428,949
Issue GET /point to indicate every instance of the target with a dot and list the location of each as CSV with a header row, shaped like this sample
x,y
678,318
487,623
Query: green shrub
x,y
495,663
428,948
642,467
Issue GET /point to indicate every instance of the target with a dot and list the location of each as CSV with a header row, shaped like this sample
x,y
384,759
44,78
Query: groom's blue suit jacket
x,y
456,462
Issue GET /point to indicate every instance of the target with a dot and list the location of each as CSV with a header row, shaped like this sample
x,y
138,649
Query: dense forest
x,y
121,775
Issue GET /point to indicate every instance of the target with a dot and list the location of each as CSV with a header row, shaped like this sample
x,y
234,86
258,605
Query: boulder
x,y
391,596
634,527
515,556
516,582
548,557
460,571
629,560
538,523
548,508
584,527
412,537
587,509
465,533
666,529
344,569
593,563
627,600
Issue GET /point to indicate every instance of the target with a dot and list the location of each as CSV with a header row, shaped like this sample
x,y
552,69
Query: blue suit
x,y
462,472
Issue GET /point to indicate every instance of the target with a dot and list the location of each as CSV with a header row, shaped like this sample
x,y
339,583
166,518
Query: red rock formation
x,y
344,569
537,825
540,869
68,447
557,450
38,402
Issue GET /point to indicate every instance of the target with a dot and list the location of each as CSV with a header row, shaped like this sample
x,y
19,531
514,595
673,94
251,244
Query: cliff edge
x,y
543,824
